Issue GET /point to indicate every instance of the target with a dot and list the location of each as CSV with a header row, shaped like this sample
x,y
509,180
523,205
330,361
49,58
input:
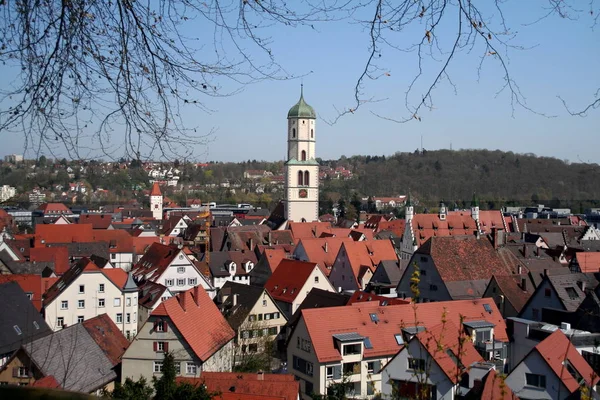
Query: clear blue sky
x,y
564,60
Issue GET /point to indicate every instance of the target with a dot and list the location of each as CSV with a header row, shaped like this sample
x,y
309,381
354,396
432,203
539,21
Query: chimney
x,y
581,285
519,270
565,326
260,376
197,294
525,252
546,272
251,244
182,300
325,247
537,251
270,238
524,284
235,299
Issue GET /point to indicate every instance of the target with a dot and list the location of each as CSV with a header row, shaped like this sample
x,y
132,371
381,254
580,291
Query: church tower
x,y
301,168
156,202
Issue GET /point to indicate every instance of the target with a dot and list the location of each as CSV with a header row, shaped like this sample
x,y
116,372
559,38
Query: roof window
x,y
368,344
17,329
374,317
399,339
487,308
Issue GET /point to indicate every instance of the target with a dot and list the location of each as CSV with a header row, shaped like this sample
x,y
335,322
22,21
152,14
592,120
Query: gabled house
x,y
252,314
352,344
553,369
190,326
322,251
86,291
231,266
453,268
170,266
510,293
292,281
558,292
20,322
356,262
34,286
432,362
71,356
109,338
267,263
386,277
150,295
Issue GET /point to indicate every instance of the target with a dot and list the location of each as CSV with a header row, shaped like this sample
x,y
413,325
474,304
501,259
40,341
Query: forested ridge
x,y
498,178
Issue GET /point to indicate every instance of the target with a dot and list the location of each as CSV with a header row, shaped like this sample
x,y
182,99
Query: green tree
x,y
41,162
165,386
356,202
132,390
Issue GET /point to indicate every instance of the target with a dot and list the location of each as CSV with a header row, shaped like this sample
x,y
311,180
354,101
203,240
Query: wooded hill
x,y
498,178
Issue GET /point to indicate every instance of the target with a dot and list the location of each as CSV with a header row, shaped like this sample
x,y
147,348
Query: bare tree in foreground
x,y
117,76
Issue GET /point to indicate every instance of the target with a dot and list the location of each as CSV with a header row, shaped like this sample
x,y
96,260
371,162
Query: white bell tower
x,y
301,167
156,202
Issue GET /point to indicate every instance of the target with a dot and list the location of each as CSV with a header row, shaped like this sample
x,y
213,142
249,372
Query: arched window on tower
x,y
312,133
293,132
303,155
300,178
306,178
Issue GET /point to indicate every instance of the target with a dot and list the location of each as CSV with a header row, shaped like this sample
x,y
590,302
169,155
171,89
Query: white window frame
x,y
191,369
81,289
128,302
80,304
64,304
160,347
101,303
157,367
169,282
181,282
80,319
181,270
60,322
327,374
101,288
119,318
128,318
117,302
192,281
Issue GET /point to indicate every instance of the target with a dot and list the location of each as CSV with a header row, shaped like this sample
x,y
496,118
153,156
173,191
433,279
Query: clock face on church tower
x,y
303,193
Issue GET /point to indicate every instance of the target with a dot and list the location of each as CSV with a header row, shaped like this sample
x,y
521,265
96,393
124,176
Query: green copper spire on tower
x,y
301,109
475,200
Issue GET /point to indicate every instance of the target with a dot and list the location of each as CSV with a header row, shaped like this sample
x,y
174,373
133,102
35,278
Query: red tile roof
x,y
198,320
494,388
155,190
555,350
368,254
98,221
588,261
48,382
323,251
303,230
58,255
116,276
110,339
155,261
258,386
510,286
274,257
322,323
119,240
54,208
361,297
34,284
396,226
72,233
464,258
444,337
287,280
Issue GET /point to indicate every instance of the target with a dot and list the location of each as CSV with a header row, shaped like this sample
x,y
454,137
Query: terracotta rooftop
x,y
198,320
446,337
323,323
258,386
54,208
73,233
108,336
58,255
555,350
361,297
48,382
33,285
155,190
588,261
512,289
368,254
98,221
287,280
305,230
323,251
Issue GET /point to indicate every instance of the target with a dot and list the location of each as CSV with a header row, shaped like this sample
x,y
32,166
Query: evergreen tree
x,y
165,386
132,390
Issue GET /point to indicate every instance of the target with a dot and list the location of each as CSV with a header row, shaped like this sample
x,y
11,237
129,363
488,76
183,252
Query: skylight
x,y
374,317
368,344
487,308
399,339
17,329
35,324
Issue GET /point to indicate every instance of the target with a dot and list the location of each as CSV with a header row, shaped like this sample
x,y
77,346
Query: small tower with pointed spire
x,y
475,207
156,202
301,167
409,210
443,211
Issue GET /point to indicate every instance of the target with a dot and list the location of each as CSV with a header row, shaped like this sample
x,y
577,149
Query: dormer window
x,y
232,267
